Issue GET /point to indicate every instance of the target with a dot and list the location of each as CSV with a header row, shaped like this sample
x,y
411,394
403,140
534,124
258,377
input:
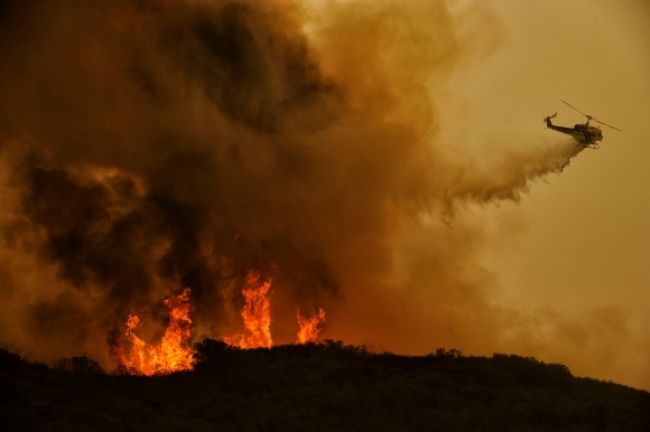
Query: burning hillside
x,y
175,353
172,354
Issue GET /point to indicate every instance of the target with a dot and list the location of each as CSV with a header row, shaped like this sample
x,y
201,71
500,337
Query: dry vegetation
x,y
323,387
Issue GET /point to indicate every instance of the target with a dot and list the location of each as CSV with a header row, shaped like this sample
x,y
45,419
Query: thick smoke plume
x,y
152,146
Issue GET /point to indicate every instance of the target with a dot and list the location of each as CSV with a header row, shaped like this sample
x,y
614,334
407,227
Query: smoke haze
x,y
147,147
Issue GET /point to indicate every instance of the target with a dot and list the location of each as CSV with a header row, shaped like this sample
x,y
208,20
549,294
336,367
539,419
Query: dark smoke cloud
x,y
149,146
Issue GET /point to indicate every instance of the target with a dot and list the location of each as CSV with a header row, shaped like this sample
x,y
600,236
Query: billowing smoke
x,y
152,146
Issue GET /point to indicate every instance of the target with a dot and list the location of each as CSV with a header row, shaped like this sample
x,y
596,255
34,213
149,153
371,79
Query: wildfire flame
x,y
173,353
309,327
256,315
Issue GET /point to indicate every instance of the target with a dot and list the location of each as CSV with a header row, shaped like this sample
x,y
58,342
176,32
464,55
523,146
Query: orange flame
x,y
256,314
309,327
173,353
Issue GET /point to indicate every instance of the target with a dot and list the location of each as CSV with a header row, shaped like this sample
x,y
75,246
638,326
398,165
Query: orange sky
x,y
578,244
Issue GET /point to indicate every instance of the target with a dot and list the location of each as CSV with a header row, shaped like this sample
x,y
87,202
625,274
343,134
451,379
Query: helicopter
x,y
586,134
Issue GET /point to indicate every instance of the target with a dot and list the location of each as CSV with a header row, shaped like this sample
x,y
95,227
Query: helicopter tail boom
x,y
550,125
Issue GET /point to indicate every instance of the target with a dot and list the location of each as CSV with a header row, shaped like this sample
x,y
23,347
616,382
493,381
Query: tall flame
x,y
173,353
256,315
309,327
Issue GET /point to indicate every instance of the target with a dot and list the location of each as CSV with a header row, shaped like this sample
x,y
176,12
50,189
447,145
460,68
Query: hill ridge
x,y
327,386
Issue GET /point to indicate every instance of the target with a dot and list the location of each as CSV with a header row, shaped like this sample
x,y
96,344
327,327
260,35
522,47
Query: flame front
x,y
173,353
256,315
309,327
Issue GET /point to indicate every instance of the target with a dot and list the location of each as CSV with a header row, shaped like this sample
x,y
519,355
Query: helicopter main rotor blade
x,y
590,117
608,125
584,114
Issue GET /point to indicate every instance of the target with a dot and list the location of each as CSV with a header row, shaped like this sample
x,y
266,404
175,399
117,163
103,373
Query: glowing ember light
x,y
309,327
172,354
256,315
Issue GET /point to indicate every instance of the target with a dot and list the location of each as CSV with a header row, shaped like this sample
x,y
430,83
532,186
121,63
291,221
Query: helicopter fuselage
x,y
582,132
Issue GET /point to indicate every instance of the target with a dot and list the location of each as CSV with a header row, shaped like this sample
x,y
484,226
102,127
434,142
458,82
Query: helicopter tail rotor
x,y
547,118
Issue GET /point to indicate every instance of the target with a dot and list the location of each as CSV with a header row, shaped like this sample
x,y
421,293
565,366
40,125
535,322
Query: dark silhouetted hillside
x,y
328,387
